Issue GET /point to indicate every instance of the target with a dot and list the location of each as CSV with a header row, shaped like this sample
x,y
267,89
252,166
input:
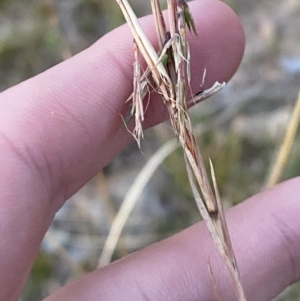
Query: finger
x,y
265,231
60,128
74,108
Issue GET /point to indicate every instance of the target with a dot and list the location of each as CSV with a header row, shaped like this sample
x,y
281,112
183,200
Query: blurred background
x,y
240,129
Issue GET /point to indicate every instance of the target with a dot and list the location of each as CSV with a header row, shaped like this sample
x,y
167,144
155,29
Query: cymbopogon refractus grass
x,y
168,70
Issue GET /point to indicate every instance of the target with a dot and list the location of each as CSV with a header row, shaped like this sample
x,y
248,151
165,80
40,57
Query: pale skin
x,y
58,129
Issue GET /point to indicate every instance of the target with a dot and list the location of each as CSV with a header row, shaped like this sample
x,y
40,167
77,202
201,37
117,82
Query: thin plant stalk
x,y
159,22
285,149
131,199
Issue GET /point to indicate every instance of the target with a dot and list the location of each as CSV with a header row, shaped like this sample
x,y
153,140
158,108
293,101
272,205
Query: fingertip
x,y
216,50
220,44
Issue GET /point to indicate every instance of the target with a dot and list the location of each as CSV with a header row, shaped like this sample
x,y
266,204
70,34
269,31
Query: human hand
x,y
59,129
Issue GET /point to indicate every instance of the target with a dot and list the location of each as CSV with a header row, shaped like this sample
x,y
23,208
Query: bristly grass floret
x,y
168,70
